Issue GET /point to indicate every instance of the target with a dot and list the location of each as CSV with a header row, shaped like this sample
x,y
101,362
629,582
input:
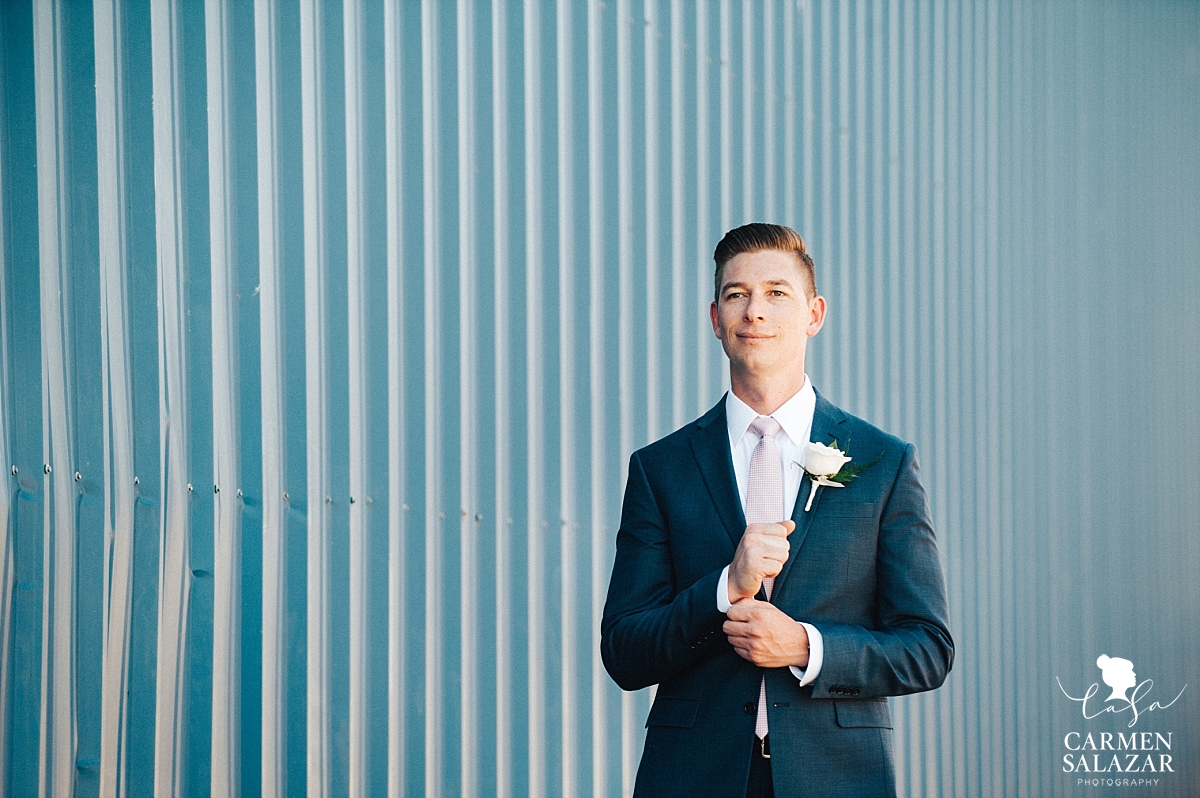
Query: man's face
x,y
763,315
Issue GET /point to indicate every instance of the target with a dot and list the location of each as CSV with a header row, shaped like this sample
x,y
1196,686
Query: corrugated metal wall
x,y
328,329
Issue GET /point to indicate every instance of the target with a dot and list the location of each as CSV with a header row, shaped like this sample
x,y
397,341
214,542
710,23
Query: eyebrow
x,y
727,286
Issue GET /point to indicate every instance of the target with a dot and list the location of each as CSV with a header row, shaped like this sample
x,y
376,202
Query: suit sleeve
x,y
909,648
652,628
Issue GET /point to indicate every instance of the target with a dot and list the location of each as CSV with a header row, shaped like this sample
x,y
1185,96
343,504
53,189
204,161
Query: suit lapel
x,y
710,446
825,429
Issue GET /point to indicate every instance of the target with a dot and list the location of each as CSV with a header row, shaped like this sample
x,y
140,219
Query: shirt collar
x,y
795,415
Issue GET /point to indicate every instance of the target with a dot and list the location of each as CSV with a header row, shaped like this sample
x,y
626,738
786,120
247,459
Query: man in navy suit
x,y
775,643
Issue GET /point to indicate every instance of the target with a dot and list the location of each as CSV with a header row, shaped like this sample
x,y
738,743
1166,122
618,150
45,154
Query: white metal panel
x,y
226,426
57,727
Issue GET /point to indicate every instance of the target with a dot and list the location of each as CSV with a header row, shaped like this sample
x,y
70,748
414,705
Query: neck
x,y
766,395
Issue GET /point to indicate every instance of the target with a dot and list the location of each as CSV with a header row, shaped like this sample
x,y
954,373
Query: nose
x,y
755,308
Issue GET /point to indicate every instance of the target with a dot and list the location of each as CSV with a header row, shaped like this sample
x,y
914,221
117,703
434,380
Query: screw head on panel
x,y
78,476
47,469
189,487
14,470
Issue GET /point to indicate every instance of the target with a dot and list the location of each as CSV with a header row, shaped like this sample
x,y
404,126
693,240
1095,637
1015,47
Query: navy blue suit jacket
x,y
863,568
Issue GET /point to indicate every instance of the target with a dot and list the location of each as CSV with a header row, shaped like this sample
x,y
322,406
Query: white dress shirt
x,y
795,417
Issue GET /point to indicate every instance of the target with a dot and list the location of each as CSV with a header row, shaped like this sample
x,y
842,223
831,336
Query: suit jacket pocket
x,y
871,712
847,509
673,712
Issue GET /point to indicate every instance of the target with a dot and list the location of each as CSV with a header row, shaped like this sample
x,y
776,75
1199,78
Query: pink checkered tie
x,y
764,505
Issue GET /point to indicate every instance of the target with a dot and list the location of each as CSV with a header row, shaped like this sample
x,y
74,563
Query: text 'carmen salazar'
x,y
1107,752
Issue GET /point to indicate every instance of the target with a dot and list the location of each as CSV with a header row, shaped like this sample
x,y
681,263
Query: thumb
x,y
789,527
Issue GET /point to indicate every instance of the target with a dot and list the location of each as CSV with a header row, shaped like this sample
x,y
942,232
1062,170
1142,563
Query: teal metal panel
x,y
347,316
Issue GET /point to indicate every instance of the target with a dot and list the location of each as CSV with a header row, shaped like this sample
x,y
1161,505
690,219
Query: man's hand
x,y
761,633
761,552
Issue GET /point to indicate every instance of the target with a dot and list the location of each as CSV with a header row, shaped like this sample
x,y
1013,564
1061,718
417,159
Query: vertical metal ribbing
x,y
906,272
7,548
227,537
951,491
823,180
725,116
791,108
878,251
117,403
596,431
57,725
175,576
973,378
1014,266
894,231
470,572
275,506
994,512
653,226
935,718
436,750
747,182
631,724
397,639
861,226
359,412
535,505
837,231
807,68
573,618
704,191
316,387
506,675
771,103
680,308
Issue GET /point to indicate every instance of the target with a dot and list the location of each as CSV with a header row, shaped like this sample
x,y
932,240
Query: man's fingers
x,y
780,530
742,610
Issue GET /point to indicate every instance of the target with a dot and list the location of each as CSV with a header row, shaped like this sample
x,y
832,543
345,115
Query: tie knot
x,y
765,427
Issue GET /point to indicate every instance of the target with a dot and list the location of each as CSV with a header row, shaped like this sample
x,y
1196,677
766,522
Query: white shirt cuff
x,y
723,604
816,656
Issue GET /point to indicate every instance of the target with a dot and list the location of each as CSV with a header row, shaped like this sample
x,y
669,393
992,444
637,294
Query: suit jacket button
x,y
750,708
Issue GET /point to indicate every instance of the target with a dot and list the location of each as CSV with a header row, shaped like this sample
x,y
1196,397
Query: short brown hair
x,y
759,237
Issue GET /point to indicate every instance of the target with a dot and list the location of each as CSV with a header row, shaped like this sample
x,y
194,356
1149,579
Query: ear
x,y
716,322
816,308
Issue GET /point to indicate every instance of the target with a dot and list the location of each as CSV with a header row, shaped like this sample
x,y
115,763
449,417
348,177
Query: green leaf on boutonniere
x,y
850,470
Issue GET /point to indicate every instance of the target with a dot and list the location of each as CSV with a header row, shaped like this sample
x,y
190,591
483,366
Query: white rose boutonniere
x,y
829,466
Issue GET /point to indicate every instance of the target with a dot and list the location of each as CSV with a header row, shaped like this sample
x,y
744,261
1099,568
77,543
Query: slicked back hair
x,y
761,237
